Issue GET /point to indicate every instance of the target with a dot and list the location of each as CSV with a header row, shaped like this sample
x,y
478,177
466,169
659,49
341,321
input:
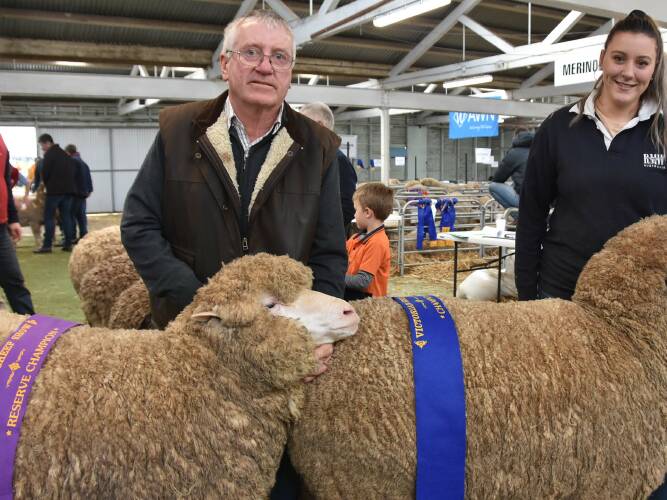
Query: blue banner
x,y
463,125
439,399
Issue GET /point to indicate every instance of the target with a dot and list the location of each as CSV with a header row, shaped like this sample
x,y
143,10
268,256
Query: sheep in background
x,y
103,284
30,212
132,308
200,410
563,399
93,249
482,284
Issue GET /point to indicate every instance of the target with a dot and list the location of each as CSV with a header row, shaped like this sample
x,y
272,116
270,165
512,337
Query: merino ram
x,y
200,410
563,399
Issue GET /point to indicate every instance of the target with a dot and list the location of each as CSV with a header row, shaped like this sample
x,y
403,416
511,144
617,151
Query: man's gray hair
x,y
267,17
319,112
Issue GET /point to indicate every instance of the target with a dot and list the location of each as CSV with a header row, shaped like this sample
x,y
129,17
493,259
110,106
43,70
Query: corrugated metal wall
x,y
114,156
446,158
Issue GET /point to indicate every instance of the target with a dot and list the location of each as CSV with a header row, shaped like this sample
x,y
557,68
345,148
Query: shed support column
x,y
385,138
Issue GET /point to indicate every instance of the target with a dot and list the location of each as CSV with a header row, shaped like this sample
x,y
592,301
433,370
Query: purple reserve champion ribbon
x,y
21,358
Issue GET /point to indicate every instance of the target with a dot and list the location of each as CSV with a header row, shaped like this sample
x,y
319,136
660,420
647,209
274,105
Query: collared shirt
x,y
647,109
233,120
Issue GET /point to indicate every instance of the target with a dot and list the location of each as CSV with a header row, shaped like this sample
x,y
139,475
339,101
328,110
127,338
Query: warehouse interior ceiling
x,y
121,61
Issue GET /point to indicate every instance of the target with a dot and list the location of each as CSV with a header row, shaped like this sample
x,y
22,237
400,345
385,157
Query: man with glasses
x,y
242,173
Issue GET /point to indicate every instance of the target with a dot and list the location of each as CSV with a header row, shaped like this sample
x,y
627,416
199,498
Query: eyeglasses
x,y
253,57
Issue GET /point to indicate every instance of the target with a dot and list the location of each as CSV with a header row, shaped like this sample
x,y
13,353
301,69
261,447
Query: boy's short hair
x,y
376,196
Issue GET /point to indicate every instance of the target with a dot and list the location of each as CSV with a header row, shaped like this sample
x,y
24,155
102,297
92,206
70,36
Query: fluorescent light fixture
x,y
467,82
71,63
431,87
186,69
407,11
399,111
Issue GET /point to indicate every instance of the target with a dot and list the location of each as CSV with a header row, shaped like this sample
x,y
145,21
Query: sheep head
x,y
259,313
626,282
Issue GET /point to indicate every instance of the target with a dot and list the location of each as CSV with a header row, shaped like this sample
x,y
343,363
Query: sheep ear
x,y
205,315
238,314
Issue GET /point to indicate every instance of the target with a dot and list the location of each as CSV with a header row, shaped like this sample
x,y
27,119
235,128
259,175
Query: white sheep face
x,y
328,319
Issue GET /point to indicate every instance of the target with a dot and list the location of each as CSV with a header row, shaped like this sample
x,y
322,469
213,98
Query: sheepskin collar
x,y
218,135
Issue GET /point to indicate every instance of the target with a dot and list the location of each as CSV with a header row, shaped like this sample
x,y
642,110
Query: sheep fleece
x,y
560,402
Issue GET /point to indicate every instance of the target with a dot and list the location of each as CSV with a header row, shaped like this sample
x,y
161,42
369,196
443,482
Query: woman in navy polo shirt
x,y
600,164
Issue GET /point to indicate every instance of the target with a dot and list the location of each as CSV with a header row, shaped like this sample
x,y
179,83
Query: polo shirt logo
x,y
654,161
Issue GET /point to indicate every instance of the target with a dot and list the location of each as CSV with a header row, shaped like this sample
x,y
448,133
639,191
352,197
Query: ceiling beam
x,y
434,36
282,10
548,70
22,49
245,7
486,34
301,8
343,18
328,6
109,21
617,9
563,27
81,86
538,76
551,91
526,55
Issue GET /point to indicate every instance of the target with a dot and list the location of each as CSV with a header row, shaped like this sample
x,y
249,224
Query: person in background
x,y
11,278
239,174
512,165
35,175
84,186
18,179
321,113
369,254
58,175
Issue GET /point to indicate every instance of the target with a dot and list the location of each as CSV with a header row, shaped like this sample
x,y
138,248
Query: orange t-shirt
x,y
371,254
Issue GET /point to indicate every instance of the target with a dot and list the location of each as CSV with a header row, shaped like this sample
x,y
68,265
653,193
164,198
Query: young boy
x,y
368,251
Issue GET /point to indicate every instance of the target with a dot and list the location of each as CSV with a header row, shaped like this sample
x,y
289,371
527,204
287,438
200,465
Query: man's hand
x,y
323,354
15,232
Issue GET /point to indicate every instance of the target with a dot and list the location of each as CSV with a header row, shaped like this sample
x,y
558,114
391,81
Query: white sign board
x,y
400,161
348,145
483,155
577,66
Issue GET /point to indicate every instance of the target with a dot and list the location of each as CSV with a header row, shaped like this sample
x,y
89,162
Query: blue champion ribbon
x,y
425,222
447,212
439,399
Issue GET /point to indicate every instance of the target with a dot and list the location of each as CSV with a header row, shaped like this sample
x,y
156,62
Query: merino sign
x,y
577,66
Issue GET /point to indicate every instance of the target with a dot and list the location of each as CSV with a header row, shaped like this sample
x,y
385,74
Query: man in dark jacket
x,y
514,165
321,113
84,186
239,174
58,171
11,278
242,173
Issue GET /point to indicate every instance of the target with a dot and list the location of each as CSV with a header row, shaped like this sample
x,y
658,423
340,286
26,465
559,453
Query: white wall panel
x,y
128,150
